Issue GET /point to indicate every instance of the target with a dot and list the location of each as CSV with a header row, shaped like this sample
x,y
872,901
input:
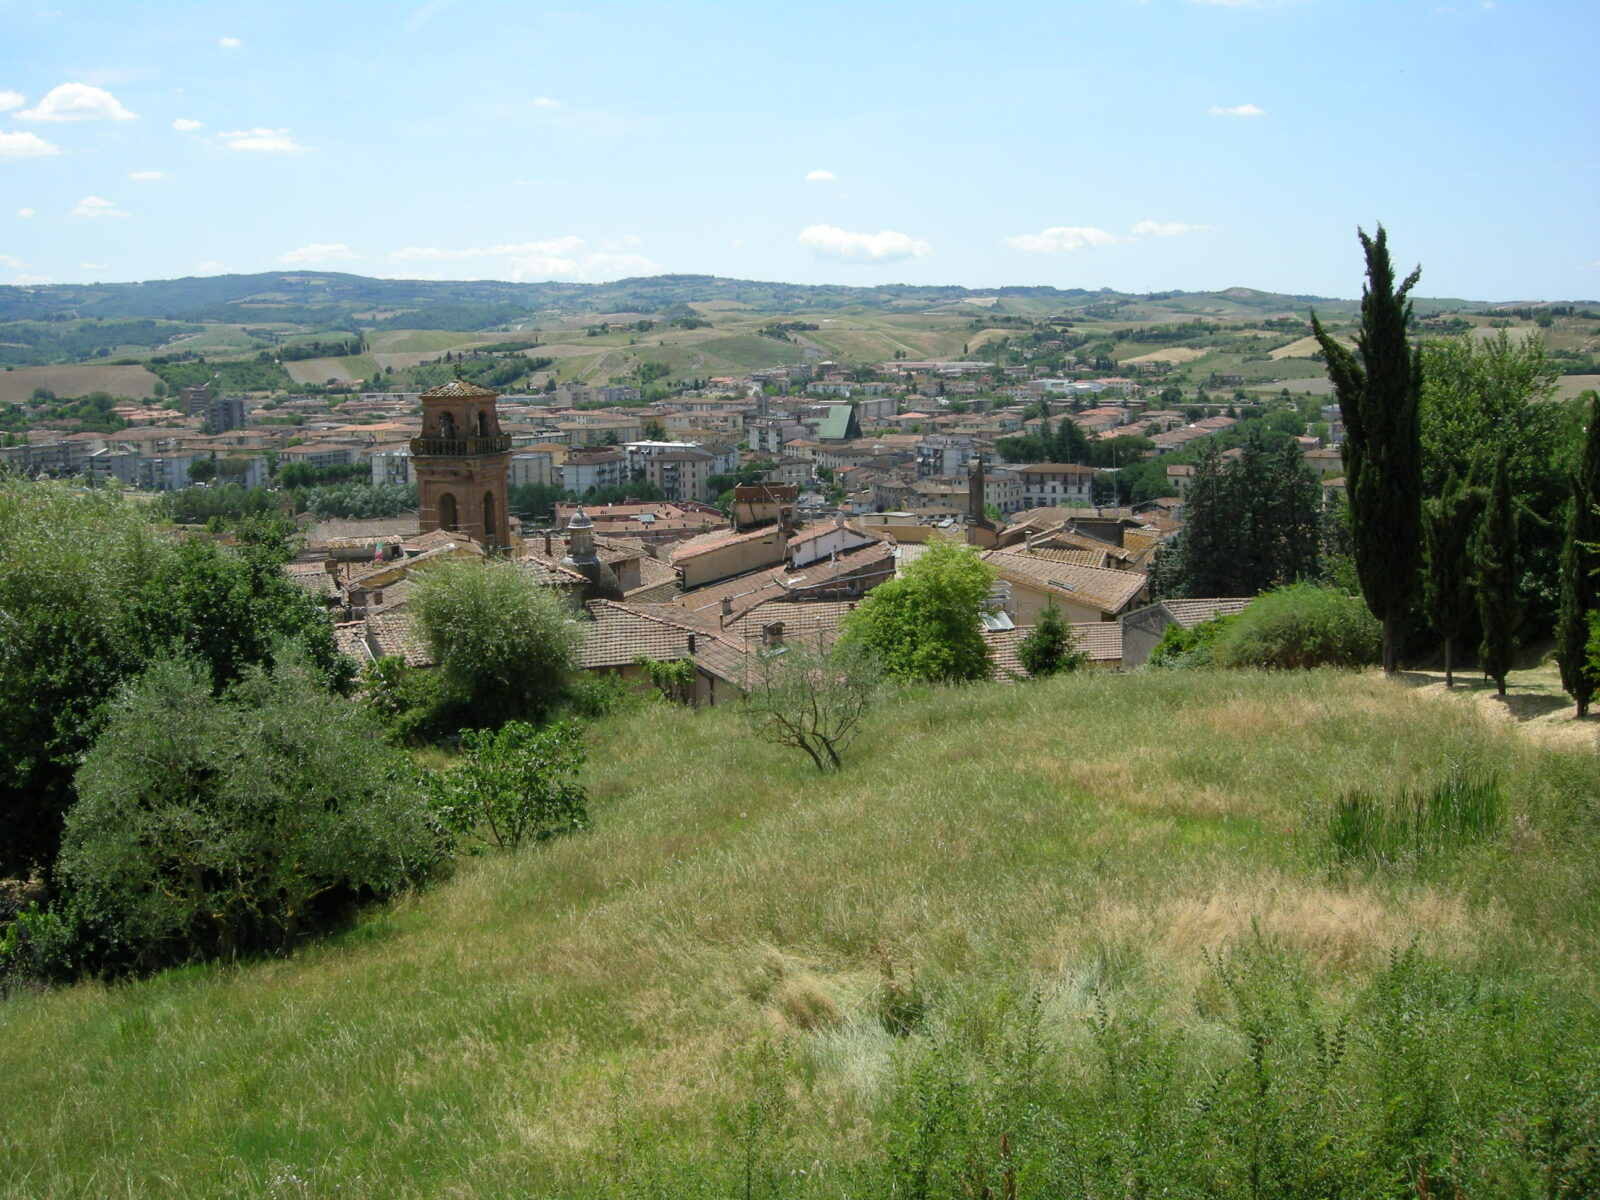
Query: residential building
x,y
593,468
1049,485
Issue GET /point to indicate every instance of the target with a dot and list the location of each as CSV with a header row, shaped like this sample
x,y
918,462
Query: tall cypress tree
x,y
1378,389
1495,558
1449,521
1580,559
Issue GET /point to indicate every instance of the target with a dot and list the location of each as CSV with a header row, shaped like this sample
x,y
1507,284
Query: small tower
x,y
582,558
461,463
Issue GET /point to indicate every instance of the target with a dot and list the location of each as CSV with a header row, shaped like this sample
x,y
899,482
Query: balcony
x,y
459,447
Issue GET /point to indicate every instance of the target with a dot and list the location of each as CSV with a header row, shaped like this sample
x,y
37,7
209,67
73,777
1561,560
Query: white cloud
x,y
93,266
146,176
229,43
566,257
185,125
10,100
820,176
7,260
96,206
209,267
316,252
25,213
25,145
1059,239
26,279
77,102
545,102
267,141
1237,110
1163,229
840,245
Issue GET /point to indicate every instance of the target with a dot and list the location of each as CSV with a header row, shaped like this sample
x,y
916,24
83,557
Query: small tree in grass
x,y
515,784
1495,559
812,702
1580,559
1048,649
1448,522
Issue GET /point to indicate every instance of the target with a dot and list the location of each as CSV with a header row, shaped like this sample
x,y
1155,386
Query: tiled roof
x,y
814,622
622,632
457,389
1100,640
779,583
1189,613
1102,588
381,635
716,540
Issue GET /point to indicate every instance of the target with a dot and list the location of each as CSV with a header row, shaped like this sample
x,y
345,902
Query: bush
x,y
516,784
210,828
1302,625
1190,648
504,644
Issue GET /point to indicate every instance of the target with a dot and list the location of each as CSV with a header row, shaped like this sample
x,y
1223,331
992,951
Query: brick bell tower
x,y
461,461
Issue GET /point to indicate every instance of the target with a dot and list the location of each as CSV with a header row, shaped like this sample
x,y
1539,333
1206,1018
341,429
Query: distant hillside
x,y
333,299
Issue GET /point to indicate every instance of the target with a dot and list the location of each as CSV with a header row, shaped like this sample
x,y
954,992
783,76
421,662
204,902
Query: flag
x,y
377,552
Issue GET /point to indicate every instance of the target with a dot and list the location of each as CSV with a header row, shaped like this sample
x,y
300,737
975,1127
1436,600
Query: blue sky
x,y
1191,144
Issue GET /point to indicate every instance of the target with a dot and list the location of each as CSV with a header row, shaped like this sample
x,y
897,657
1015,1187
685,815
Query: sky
x,y
1140,145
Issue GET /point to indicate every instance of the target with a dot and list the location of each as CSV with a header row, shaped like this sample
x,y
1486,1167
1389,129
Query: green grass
x,y
1113,934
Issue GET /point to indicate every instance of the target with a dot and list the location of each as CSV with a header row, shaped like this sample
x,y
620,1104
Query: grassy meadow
x,y
1085,937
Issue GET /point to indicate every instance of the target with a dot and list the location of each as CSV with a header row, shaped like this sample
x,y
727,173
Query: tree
x,y
1448,523
812,702
1048,648
503,643
202,469
1378,397
1495,575
926,625
1580,559
211,827
515,784
1480,396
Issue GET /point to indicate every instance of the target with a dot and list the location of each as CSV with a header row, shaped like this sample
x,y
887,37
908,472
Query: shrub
x,y
516,784
213,827
504,644
1048,649
1302,625
810,702
1192,647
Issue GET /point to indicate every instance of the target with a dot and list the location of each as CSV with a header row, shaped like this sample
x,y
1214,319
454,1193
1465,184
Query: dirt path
x,y
1534,703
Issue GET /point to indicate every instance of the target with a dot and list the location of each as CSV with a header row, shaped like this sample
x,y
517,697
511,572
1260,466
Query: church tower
x,y
461,462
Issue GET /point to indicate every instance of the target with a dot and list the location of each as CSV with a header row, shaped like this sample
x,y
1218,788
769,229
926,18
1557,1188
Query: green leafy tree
x,y
1495,562
927,625
1448,524
515,784
1580,559
212,827
1378,389
503,644
1048,648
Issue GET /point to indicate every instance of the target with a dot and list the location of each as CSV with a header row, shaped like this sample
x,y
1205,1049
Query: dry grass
x,y
76,379
508,1031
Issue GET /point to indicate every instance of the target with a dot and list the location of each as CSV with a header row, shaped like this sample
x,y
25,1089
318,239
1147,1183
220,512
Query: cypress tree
x,y
1580,559
1449,521
1495,559
1378,390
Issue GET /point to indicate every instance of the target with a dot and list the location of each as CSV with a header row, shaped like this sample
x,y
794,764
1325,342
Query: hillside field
x,y
76,379
1085,937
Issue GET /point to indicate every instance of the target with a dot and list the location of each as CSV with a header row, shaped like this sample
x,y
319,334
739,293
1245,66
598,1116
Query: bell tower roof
x,y
458,389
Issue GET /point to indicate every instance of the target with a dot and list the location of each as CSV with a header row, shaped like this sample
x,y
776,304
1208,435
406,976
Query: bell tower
x,y
461,463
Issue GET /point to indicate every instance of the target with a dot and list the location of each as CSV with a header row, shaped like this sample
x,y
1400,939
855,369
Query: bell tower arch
x,y
461,462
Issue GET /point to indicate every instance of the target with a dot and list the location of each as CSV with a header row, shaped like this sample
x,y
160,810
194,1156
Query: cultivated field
x,y
76,379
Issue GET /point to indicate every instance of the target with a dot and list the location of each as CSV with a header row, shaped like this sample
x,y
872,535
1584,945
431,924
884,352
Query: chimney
x,y
548,552
727,606
691,643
